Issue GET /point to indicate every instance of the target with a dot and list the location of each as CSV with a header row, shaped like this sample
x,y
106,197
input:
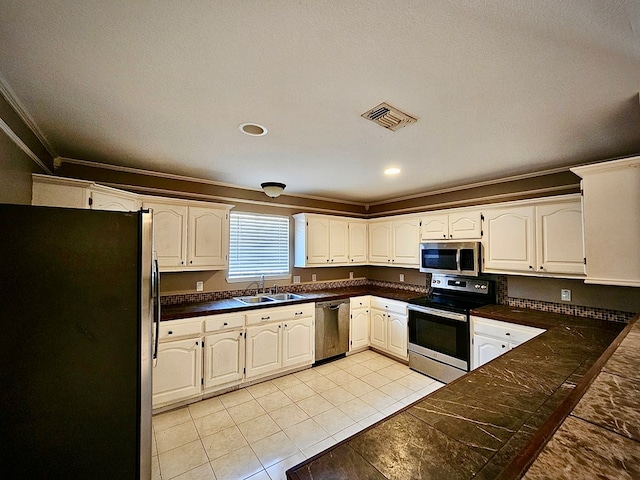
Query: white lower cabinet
x,y
389,331
224,358
492,338
178,373
263,349
298,340
359,323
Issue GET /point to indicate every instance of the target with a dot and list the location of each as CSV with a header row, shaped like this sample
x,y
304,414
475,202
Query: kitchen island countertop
x,y
492,422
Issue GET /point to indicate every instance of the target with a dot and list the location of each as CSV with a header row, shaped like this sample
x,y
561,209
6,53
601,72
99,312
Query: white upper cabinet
x,y
358,242
542,237
395,242
104,198
509,239
462,225
559,237
189,235
323,240
611,196
208,235
170,234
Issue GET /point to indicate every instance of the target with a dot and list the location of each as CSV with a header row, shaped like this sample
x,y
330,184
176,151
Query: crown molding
x,y
23,146
171,176
17,106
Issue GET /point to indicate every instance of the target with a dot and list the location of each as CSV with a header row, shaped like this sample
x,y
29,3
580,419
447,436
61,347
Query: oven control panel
x,y
460,284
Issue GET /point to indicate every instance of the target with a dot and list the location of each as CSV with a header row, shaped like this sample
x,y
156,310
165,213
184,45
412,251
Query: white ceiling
x,y
499,88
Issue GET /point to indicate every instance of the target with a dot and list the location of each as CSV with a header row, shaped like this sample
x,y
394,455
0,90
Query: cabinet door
x,y
339,241
358,242
263,349
378,333
406,242
434,227
559,247
509,242
208,237
486,349
178,373
380,242
465,225
397,335
298,339
359,329
223,358
113,202
170,234
317,240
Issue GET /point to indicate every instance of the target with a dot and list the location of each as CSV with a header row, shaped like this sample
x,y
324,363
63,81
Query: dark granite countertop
x,y
187,310
489,424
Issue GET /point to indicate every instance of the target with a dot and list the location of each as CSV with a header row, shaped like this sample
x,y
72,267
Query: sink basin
x,y
251,300
280,297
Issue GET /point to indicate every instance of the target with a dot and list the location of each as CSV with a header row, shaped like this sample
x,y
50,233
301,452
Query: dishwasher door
x,y
332,329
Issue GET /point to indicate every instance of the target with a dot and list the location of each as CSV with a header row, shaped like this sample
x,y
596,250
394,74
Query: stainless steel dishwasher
x,y
332,329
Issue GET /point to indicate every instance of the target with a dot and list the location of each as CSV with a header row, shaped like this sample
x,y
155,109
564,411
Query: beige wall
x,y
15,172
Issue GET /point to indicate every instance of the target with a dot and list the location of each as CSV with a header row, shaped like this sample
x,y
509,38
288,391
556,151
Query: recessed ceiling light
x,y
392,171
253,129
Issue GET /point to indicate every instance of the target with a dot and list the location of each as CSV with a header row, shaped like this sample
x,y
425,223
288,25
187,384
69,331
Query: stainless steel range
x,y
439,334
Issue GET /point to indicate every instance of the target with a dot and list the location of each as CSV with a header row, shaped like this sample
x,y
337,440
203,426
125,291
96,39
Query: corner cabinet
x,y
492,338
190,235
542,237
611,196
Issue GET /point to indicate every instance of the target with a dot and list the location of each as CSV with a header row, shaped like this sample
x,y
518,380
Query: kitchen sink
x,y
251,300
280,297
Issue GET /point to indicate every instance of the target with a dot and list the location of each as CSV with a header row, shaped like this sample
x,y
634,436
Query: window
x,y
258,245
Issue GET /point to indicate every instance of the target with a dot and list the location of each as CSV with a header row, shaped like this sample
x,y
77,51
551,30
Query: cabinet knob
x,y
503,346
225,324
170,332
444,236
285,325
191,261
530,267
541,268
327,259
507,333
181,262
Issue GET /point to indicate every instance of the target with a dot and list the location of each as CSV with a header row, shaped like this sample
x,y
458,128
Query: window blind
x,y
258,245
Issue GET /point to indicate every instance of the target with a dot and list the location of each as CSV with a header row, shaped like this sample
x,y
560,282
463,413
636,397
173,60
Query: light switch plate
x,y
351,275
565,295
402,277
199,286
313,277
296,279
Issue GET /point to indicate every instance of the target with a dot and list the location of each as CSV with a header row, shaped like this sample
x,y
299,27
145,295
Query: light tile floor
x,y
259,432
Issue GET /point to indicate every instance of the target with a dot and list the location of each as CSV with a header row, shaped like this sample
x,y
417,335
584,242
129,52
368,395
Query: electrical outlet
x,y
351,275
565,295
402,277
314,277
199,286
296,279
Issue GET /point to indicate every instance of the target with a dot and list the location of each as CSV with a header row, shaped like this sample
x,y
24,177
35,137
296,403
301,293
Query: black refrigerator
x,y
78,297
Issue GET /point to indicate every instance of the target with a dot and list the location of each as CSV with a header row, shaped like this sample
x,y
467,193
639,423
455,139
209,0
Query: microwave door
x,y
440,258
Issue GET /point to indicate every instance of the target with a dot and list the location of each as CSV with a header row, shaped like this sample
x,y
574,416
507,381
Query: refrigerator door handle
x,y
156,308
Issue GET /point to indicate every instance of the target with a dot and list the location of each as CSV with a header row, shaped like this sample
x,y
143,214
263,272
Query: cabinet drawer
x,y
214,323
278,314
360,302
390,305
505,331
179,328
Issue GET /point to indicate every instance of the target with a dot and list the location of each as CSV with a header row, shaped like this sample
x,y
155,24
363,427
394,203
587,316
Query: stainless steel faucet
x,y
261,286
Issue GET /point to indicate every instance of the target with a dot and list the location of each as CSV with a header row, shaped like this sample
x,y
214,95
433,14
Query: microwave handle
x,y
458,259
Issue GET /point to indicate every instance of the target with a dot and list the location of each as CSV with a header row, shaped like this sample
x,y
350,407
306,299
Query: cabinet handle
x,y
298,313
225,324
265,318
170,332
507,333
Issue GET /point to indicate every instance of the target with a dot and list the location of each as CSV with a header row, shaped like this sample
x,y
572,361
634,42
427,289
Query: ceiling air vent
x,y
389,117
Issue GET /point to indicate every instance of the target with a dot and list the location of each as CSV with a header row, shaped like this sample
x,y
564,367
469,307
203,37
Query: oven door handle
x,y
460,317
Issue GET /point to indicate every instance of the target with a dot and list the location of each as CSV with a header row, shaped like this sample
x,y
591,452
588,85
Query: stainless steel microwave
x,y
461,258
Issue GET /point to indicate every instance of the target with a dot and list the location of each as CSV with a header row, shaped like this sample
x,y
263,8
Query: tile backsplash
x,y
501,292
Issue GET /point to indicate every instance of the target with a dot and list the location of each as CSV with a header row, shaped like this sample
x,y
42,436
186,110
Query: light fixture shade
x,y
273,189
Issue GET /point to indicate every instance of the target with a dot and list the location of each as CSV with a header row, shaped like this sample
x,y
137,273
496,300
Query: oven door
x,y
440,335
